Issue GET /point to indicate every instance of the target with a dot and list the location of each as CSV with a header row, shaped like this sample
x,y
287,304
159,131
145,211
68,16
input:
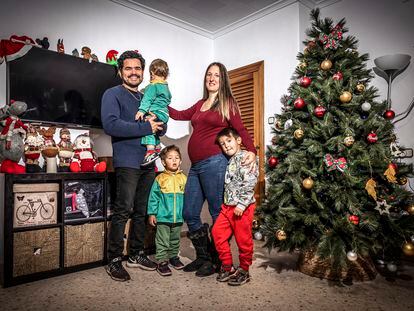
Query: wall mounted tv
x,y
60,89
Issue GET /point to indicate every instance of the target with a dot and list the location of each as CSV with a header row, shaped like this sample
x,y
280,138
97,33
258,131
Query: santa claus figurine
x,y
32,150
65,150
84,159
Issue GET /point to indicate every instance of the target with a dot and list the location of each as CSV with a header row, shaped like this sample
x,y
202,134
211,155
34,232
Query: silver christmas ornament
x,y
288,124
412,239
366,106
392,267
258,235
352,256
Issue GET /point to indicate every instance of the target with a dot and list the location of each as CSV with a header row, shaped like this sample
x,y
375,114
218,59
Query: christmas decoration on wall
x,y
352,256
319,111
345,97
326,65
299,103
372,138
408,248
281,235
308,183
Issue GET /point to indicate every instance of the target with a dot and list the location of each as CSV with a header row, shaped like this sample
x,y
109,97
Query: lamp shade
x,y
392,62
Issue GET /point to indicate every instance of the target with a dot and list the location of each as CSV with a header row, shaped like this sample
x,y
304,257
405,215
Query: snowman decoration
x,y
84,159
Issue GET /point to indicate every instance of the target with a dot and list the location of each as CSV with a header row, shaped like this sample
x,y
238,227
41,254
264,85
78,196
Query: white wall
x,y
274,39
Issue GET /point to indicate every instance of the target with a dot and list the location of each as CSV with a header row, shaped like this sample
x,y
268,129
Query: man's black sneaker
x,y
225,275
150,158
176,263
164,269
240,277
142,262
116,270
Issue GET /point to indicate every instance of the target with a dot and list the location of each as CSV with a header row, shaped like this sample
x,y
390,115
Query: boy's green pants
x,y
167,242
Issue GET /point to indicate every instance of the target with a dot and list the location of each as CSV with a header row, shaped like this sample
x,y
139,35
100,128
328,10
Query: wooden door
x,y
247,83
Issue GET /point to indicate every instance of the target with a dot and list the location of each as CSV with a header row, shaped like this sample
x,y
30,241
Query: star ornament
x,y
383,207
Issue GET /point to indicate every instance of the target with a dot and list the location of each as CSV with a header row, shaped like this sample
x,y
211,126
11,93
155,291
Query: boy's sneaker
x,y
163,269
150,157
176,263
142,262
116,270
240,277
225,275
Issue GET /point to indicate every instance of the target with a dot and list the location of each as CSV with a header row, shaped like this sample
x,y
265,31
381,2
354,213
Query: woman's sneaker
x,y
176,263
142,262
240,277
116,270
225,275
164,269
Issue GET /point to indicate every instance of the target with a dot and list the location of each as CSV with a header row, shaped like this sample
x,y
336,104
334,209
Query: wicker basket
x,y
362,269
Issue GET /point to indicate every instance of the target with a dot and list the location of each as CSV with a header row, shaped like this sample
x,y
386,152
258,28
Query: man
x,y
119,106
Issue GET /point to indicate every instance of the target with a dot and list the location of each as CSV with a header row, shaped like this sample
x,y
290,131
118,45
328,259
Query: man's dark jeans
x,y
132,190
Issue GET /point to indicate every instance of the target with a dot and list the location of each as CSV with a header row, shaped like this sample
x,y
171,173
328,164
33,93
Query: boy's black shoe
x,y
176,263
163,269
142,262
116,270
240,277
224,276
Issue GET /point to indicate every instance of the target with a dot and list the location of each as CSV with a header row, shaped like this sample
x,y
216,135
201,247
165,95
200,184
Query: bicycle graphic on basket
x,y
24,212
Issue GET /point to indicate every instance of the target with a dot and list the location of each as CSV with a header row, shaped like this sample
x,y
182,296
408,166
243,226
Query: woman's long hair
x,y
225,101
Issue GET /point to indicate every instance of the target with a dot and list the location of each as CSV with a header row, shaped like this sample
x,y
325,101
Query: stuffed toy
x,y
12,135
84,159
32,150
65,150
49,148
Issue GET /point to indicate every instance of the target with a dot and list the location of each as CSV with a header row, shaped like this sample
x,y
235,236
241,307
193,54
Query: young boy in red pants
x,y
236,215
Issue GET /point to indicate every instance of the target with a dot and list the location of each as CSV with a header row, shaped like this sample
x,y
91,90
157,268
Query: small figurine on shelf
x,y
75,52
44,43
32,150
11,137
111,58
60,46
84,159
65,150
86,53
94,58
49,150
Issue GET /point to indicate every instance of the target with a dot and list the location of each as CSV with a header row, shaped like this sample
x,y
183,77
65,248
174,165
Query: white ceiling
x,y
212,18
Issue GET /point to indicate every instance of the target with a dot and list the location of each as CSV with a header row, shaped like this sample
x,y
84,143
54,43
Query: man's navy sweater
x,y
118,110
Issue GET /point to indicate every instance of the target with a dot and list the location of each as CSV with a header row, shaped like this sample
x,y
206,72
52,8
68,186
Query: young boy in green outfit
x,y
165,210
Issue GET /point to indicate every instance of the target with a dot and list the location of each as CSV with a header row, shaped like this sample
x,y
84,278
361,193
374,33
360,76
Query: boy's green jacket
x,y
167,197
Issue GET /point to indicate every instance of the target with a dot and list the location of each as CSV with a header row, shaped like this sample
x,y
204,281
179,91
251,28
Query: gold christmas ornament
x,y
402,181
298,134
275,140
410,210
308,183
349,141
305,51
280,235
326,64
303,65
255,224
345,97
408,248
360,88
370,188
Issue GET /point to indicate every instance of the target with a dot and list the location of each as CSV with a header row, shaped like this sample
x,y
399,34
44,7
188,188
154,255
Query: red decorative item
x,y
354,219
60,46
272,162
299,103
305,81
15,47
394,166
372,138
338,76
389,114
319,111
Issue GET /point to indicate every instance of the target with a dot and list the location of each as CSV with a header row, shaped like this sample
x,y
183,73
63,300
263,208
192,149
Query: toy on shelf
x,y
87,54
49,149
75,52
15,47
65,150
111,58
32,150
44,43
60,47
13,131
84,159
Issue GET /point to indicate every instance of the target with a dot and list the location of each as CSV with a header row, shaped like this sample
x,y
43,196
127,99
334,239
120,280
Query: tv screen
x,y
60,89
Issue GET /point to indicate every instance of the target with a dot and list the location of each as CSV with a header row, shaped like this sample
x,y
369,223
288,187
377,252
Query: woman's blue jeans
x,y
205,182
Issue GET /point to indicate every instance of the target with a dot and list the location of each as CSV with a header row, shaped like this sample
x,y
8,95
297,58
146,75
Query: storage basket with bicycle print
x,y
35,204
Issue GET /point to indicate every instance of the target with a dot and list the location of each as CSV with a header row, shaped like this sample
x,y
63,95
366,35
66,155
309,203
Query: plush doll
x,y
84,159
11,137
65,150
32,150
49,148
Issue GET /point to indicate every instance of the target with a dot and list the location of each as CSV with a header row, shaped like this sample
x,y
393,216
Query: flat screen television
x,y
60,89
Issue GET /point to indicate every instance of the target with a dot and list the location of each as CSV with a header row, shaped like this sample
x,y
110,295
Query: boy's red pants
x,y
241,226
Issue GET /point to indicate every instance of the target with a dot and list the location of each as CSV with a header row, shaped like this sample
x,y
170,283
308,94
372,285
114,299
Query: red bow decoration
x,y
331,41
332,163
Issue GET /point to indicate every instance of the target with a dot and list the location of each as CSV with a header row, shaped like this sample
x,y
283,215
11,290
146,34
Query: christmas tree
x,y
333,186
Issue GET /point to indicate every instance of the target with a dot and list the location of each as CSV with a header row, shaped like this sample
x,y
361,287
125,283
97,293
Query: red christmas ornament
x,y
272,162
305,81
394,166
299,103
338,76
372,138
354,219
319,111
389,114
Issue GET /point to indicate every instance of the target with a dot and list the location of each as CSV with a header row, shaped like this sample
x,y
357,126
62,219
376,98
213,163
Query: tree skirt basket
x,y
363,269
